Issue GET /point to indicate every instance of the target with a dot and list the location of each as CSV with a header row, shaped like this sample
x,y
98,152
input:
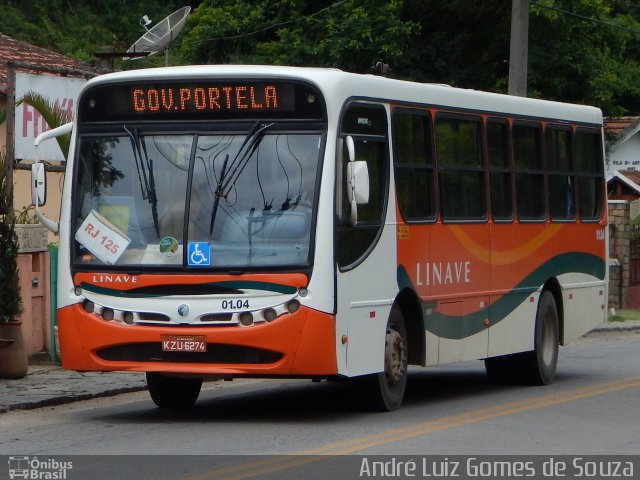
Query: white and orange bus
x,y
251,221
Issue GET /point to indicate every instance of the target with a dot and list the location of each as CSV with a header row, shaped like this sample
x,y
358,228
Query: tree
x,y
80,29
463,43
348,34
585,51
52,113
10,298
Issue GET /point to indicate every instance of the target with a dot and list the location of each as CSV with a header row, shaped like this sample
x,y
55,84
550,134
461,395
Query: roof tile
x,y
618,126
632,175
16,50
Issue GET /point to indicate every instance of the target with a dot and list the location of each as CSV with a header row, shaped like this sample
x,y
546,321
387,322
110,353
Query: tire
x,y
537,367
173,392
385,390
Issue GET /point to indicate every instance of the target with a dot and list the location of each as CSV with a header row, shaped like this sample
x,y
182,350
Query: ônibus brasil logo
x,y
35,469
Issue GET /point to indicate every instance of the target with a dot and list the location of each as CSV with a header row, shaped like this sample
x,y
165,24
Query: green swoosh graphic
x,y
458,327
225,288
252,285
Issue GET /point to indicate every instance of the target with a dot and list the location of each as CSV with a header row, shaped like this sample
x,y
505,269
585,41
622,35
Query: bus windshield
x,y
218,200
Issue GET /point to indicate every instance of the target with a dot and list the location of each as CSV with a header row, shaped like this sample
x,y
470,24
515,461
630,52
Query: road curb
x,y
619,326
65,399
48,384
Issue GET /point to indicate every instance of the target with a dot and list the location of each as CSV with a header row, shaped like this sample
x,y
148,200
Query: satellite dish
x,y
158,37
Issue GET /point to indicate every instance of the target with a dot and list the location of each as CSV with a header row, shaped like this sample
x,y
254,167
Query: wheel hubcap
x,y
395,357
548,341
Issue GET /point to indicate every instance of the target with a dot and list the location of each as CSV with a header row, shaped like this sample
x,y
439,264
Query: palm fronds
x,y
53,114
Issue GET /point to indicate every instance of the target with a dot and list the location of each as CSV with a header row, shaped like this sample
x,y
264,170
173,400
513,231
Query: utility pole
x,y
519,48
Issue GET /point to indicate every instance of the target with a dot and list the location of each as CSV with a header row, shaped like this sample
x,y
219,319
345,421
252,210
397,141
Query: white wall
x,y
624,156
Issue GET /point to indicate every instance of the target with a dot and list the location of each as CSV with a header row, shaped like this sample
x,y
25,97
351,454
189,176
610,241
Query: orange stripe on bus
x,y
504,257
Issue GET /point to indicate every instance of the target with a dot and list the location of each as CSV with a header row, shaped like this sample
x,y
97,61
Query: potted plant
x,y
13,355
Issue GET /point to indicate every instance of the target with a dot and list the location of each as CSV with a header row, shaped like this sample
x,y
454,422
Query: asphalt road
x,y
591,409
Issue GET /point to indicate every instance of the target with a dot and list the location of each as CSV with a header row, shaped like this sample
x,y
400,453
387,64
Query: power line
x,y
280,24
584,17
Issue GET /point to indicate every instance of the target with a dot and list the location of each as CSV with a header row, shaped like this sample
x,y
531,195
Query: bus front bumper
x,y
298,344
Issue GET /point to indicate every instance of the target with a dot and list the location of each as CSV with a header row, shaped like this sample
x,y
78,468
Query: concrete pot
x,y
14,362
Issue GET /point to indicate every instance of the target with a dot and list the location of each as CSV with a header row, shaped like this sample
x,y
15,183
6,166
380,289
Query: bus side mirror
x,y
38,185
38,177
351,148
358,178
358,175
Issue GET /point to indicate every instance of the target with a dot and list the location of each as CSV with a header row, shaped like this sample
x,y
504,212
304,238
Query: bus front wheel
x,y
173,392
384,391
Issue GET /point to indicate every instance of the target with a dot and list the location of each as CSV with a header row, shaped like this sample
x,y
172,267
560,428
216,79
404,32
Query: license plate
x,y
184,343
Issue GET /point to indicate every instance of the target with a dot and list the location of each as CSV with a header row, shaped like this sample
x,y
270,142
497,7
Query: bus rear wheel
x,y
385,390
537,367
173,392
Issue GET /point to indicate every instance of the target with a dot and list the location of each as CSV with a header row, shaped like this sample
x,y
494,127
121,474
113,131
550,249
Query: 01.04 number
x,y
235,304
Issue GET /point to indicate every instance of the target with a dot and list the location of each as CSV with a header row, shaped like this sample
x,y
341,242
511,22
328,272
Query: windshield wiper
x,y
153,198
218,193
231,172
149,188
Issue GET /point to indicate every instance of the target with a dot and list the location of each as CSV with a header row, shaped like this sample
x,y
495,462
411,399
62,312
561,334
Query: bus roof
x,y
339,86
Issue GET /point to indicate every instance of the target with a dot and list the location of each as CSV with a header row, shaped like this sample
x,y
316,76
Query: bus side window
x,y
501,174
367,125
413,165
590,177
460,167
561,182
527,154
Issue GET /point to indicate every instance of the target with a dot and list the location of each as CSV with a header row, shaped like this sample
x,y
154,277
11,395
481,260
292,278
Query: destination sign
x,y
203,100
219,98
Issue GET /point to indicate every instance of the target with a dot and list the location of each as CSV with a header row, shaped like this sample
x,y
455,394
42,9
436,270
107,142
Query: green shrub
x,y
10,297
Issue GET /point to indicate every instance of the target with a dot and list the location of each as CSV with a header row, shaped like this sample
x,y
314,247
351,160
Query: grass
x,y
624,315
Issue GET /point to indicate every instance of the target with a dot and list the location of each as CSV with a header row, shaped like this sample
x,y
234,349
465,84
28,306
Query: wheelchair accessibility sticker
x,y
198,254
